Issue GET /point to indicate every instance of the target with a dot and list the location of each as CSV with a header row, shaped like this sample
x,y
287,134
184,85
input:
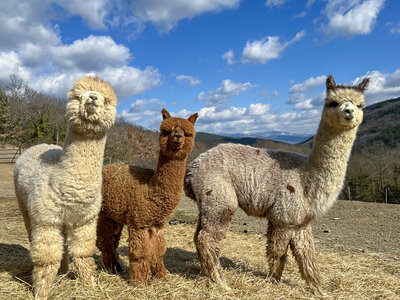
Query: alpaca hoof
x,y
224,286
89,281
273,280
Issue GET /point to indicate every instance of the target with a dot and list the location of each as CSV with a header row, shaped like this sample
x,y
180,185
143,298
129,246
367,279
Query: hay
x,y
344,275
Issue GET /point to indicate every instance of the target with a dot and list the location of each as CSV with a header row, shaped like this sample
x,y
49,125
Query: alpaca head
x,y
344,104
91,109
177,135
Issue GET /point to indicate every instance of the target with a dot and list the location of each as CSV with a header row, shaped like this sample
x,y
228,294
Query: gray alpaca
x,y
287,188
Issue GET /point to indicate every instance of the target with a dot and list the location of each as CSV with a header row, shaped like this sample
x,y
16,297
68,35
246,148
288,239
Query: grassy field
x,y
351,268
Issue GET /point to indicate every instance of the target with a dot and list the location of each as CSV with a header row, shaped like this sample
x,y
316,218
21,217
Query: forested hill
x,y
381,123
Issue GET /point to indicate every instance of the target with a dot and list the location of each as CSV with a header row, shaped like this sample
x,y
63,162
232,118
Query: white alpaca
x,y
59,189
287,188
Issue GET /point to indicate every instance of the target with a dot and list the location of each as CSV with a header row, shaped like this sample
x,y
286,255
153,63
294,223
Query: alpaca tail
x,y
188,184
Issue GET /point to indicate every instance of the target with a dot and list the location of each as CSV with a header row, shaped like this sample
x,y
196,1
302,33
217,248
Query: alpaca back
x,y
254,174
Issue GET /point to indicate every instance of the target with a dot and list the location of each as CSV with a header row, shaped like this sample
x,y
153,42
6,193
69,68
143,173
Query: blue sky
x,y
247,66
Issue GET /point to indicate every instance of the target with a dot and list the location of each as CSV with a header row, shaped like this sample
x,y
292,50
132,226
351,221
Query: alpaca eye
x,y
165,132
106,101
333,104
187,134
360,105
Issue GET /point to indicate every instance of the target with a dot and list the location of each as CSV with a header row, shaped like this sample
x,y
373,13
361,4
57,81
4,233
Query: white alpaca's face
x,y
91,105
343,108
91,112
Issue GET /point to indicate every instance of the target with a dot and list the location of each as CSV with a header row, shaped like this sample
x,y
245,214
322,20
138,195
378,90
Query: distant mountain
x,y
286,137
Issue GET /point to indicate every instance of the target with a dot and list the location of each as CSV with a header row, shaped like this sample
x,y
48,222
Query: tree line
x,y
30,117
373,174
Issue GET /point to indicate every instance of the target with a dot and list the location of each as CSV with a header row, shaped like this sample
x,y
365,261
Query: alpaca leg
x,y
108,235
82,240
302,246
157,267
277,246
65,258
140,253
46,253
210,233
25,214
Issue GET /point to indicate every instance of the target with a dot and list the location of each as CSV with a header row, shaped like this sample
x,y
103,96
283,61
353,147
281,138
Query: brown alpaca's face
x,y
343,105
92,106
177,136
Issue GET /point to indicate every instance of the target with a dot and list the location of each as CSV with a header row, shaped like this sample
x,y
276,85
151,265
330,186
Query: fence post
x,y
17,152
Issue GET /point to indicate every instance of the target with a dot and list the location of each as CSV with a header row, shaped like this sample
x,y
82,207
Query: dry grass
x,y
344,276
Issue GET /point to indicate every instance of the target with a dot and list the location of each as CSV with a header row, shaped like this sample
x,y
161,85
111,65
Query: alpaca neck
x,y
326,169
81,152
167,183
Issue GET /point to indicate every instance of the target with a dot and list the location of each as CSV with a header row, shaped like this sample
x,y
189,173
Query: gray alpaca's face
x,y
343,108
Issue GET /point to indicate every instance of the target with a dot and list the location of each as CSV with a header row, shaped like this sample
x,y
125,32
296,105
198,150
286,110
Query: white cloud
x,y
296,98
306,95
309,84
382,86
94,12
228,56
258,109
267,95
304,105
17,30
319,99
222,94
272,3
254,119
91,54
126,80
394,27
25,21
31,48
186,78
351,17
145,111
10,63
268,48
165,14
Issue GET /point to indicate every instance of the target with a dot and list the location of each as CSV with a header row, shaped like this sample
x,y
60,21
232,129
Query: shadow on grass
x,y
186,264
15,260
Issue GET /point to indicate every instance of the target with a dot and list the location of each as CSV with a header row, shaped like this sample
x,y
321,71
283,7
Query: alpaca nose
x,y
177,137
349,110
93,97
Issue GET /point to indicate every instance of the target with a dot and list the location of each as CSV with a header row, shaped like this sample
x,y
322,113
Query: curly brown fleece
x,y
144,200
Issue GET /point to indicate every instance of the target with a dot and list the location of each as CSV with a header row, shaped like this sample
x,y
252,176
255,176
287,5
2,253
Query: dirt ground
x,y
349,226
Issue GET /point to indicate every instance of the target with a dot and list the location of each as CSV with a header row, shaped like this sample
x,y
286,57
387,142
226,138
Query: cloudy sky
x,y
247,66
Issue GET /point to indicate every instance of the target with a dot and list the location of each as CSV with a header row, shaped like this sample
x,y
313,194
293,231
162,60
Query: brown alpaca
x,y
144,200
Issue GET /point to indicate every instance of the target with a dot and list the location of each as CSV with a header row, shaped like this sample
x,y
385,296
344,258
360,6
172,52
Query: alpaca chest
x,y
76,201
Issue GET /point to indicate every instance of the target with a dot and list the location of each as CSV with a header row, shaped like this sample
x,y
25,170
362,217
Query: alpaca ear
x,y
193,118
165,114
363,85
330,83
